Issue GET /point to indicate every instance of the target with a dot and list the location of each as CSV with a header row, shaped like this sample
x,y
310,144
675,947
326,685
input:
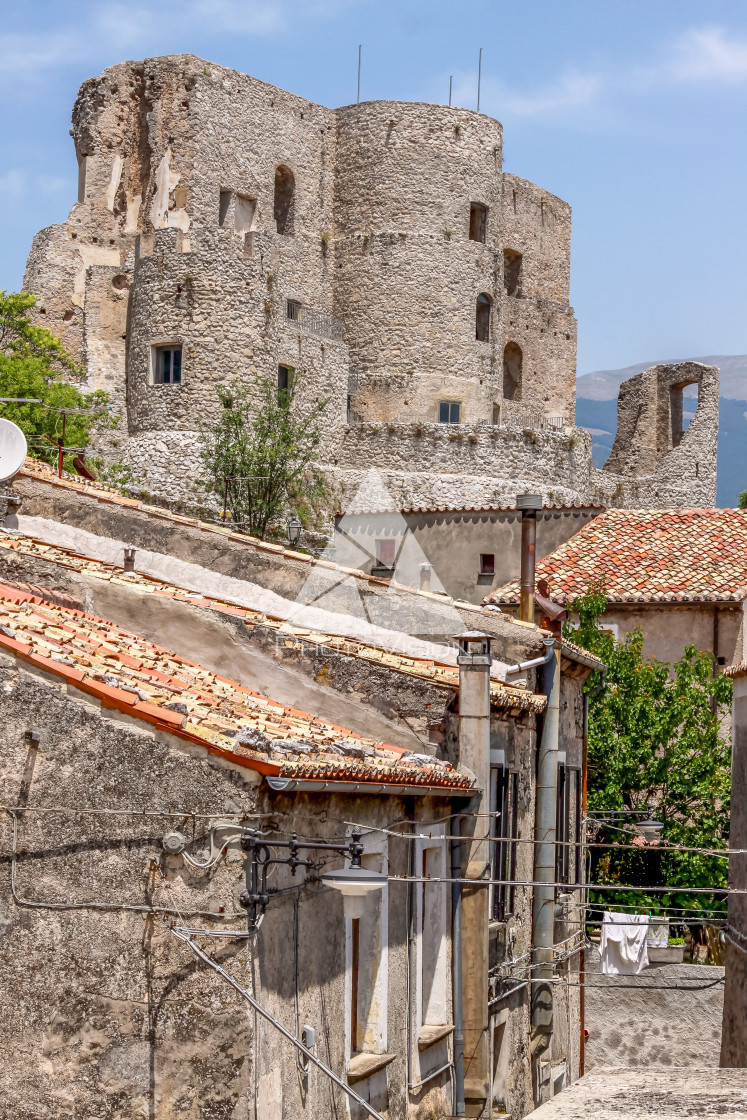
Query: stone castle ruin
x,y
226,229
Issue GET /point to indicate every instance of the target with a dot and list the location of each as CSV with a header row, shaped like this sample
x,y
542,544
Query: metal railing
x,y
312,321
517,415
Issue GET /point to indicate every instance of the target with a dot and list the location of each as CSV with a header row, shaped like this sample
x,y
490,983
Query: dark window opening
x,y
168,365
482,317
504,803
478,221
512,272
449,412
496,414
568,824
386,552
285,189
225,202
293,310
487,564
285,374
513,360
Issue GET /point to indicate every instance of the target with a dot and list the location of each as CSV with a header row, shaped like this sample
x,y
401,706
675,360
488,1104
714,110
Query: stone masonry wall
x,y
175,239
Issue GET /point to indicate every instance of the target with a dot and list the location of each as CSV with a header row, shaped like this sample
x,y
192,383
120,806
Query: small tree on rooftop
x,y
35,364
260,457
657,738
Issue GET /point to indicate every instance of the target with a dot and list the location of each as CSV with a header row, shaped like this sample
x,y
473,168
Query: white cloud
x,y
708,54
699,55
12,183
115,28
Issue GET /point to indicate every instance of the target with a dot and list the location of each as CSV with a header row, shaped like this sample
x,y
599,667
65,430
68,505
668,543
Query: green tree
x,y
33,363
656,738
743,500
259,458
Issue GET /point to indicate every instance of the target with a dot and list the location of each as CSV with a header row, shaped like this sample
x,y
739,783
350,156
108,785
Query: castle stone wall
x,y
367,280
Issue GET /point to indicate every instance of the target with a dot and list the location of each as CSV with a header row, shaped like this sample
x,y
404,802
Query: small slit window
x,y
504,802
478,221
285,194
285,374
513,361
293,310
487,563
482,317
167,366
512,272
449,412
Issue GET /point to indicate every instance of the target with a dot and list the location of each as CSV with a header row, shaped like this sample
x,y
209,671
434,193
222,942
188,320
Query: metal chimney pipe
x,y
528,504
425,577
129,560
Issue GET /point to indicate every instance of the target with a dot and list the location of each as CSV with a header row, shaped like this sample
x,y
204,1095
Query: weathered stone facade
x,y
379,248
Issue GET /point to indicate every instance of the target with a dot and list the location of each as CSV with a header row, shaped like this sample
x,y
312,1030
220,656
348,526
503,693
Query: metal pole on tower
x,y
451,79
479,79
359,75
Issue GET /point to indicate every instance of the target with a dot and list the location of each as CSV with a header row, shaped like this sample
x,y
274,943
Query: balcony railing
x,y
312,321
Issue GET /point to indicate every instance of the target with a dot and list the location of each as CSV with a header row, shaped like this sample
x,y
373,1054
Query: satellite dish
x,y
13,449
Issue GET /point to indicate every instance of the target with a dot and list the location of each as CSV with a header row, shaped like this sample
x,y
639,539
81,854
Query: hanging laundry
x,y
623,944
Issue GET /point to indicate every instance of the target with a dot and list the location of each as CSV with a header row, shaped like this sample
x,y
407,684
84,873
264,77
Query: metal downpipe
x,y
544,859
456,966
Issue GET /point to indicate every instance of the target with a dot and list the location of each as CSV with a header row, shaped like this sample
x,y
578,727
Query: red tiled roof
x,y
42,472
440,674
128,673
649,556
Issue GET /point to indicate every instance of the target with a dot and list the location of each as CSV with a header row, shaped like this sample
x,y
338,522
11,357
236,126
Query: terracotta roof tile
x,y
441,675
649,556
251,729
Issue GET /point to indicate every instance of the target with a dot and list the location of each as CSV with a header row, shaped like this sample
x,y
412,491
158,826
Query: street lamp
x,y
353,882
650,829
294,530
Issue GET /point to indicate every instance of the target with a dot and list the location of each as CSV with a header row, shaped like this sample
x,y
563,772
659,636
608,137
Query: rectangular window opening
x,y
433,977
449,412
478,221
167,366
487,563
244,211
496,414
367,968
224,206
512,261
293,310
386,548
504,803
285,376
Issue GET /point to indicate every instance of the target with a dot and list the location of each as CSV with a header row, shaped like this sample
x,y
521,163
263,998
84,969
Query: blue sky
x,y
634,112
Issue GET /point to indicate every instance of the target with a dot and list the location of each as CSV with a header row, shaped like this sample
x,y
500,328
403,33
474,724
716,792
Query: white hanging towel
x,y
623,944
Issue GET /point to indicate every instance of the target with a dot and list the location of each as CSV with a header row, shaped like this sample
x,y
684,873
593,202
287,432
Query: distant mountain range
x,y
596,409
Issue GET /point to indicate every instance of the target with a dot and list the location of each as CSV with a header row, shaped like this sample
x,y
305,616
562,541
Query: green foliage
x,y
676,941
743,500
33,363
266,448
656,739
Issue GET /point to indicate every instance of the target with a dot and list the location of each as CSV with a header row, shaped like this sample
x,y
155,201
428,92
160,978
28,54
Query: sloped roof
x,y
440,674
130,674
42,472
649,556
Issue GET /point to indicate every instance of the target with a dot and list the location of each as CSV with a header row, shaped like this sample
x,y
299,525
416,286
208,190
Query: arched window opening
x,y
285,191
482,317
512,363
682,409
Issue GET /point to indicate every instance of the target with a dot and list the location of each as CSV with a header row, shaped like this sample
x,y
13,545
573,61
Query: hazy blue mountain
x,y
596,409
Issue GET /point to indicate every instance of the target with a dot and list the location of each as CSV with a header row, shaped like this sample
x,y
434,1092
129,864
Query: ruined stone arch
x,y
513,363
285,199
483,308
